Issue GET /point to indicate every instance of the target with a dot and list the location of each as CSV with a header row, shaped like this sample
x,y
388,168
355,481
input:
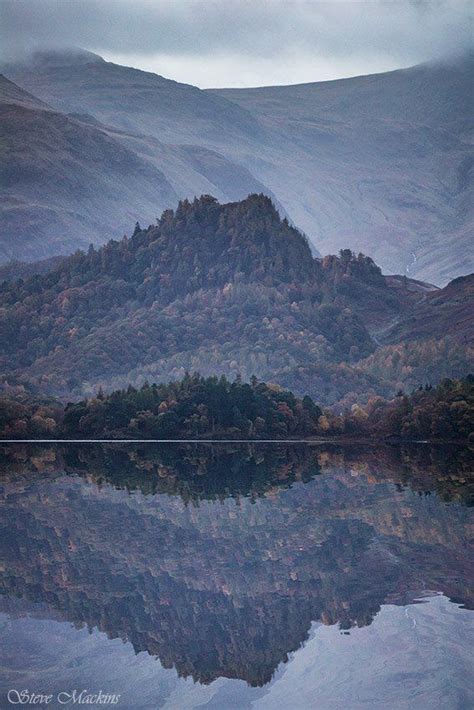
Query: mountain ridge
x,y
412,125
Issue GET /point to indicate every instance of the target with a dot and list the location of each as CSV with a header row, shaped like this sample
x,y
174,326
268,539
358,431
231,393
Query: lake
x,y
236,576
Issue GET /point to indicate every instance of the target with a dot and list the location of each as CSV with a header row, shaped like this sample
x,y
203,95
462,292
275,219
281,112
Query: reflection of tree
x,y
196,472
209,472
228,589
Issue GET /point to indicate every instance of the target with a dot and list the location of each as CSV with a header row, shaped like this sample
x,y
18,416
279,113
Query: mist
x,y
243,43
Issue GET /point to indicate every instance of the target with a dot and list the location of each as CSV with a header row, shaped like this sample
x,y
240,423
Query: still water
x,y
230,577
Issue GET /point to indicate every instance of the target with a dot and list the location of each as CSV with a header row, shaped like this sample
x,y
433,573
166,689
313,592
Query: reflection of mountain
x,y
227,587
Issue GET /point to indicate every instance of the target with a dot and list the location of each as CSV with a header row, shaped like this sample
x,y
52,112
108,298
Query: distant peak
x,y
50,58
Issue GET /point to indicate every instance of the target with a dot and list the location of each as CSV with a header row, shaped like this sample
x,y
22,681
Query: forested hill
x,y
204,244
220,289
200,245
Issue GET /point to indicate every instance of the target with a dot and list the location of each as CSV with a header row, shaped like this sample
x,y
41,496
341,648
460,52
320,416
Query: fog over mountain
x,y
381,164
238,44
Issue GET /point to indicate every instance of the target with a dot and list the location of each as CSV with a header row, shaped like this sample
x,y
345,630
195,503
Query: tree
x,y
137,229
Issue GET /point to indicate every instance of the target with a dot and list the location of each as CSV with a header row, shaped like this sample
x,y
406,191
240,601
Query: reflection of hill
x,y
230,587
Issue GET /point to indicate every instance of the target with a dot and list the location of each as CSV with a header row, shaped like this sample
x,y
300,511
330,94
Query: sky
x,y
223,43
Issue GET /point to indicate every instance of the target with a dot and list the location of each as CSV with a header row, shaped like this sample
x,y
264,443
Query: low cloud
x,y
237,43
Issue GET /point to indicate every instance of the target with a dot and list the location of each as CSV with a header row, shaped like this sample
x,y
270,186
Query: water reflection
x,y
222,561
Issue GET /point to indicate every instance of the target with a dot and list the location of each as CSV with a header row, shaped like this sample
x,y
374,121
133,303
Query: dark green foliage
x,y
195,407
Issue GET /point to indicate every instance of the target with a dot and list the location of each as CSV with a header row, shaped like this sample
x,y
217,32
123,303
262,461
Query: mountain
x,y
12,270
65,182
381,164
388,166
11,94
135,101
223,289
68,180
448,312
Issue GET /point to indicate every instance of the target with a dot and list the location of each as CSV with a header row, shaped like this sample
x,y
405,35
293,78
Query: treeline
x,y
442,412
194,407
216,408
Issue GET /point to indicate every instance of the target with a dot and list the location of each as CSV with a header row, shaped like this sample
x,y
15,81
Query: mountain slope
x,y
10,93
223,289
444,312
133,100
68,180
388,166
65,183
381,164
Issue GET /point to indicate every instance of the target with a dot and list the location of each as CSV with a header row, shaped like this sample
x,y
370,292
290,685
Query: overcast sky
x,y
213,43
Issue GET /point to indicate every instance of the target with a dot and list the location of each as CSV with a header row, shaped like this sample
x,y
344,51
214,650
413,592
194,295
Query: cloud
x,y
238,42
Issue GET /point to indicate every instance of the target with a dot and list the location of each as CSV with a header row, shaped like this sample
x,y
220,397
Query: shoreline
x,y
313,441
